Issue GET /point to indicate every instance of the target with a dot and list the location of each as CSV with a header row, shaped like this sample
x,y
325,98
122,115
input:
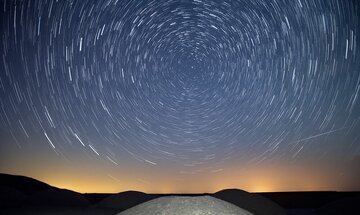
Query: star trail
x,y
161,93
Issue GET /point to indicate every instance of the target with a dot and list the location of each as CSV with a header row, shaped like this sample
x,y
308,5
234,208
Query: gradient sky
x,y
181,95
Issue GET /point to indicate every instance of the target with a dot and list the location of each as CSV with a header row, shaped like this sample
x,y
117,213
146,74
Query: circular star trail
x,y
194,83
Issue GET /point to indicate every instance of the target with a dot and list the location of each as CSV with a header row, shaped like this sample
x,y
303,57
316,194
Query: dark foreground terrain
x,y
23,195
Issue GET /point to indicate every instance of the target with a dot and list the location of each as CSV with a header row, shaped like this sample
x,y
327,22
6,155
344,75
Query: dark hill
x,y
125,200
20,191
10,197
23,184
252,202
55,197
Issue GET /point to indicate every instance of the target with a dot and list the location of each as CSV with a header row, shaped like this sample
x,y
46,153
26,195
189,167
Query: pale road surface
x,y
175,205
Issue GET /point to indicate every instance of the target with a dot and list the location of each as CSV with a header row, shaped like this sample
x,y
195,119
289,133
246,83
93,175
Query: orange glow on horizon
x,y
110,187
267,178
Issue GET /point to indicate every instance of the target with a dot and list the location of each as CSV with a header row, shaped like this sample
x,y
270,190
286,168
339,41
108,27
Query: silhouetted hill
x,y
23,184
15,190
10,197
20,191
252,202
55,197
125,200
95,198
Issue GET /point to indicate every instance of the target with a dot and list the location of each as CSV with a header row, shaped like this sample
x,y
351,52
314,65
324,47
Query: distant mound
x,y
124,200
252,202
23,184
95,198
176,205
55,197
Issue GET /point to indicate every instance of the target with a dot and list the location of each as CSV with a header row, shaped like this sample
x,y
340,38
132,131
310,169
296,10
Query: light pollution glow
x,y
272,177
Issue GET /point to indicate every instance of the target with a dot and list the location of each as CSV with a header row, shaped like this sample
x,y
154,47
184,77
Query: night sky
x,y
181,95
